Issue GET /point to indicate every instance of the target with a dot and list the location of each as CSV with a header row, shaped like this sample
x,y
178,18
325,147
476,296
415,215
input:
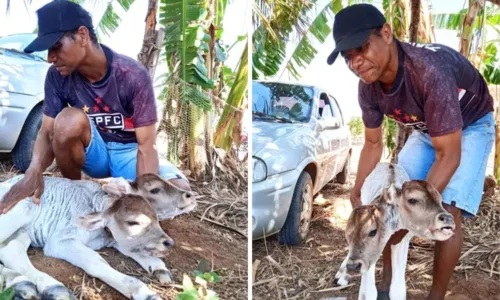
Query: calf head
x,y
133,223
416,207
167,199
422,212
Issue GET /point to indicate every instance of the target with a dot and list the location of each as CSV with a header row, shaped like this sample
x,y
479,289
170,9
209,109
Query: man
x,y
437,92
99,108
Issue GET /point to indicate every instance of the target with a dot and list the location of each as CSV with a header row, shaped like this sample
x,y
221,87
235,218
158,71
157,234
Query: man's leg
x,y
71,136
446,255
78,145
462,197
123,163
416,158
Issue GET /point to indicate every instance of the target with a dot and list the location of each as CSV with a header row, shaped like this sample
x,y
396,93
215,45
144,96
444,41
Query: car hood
x,y
20,73
264,133
282,146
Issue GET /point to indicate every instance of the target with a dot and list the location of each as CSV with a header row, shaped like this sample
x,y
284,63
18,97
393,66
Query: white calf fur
x,y
52,225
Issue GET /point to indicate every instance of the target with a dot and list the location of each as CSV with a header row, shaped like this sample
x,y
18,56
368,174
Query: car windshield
x,y
283,102
18,42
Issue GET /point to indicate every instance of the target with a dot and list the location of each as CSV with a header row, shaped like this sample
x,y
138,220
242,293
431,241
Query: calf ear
x,y
91,221
391,194
117,187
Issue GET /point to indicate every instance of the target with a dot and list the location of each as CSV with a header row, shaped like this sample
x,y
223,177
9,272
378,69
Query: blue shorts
x,y
466,185
112,159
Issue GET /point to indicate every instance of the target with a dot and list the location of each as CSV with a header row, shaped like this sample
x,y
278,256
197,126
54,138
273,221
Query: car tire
x,y
343,176
22,152
298,220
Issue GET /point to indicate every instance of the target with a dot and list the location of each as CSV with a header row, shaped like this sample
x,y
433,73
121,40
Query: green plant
x,y
356,126
7,294
200,291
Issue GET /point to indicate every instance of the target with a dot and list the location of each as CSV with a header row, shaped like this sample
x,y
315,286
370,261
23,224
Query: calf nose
x,y
446,218
169,243
356,267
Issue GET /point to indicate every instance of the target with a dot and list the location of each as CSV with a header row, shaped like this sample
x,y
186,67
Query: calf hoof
x,y
164,276
58,292
383,295
25,290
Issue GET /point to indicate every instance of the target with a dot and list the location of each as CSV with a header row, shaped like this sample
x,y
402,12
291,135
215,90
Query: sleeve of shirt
x,y
370,112
442,107
143,101
53,102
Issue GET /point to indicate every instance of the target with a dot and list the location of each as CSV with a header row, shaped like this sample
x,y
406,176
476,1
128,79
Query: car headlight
x,y
259,170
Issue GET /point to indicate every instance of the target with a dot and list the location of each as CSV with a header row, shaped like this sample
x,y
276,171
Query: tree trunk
x,y
414,21
467,27
153,40
426,29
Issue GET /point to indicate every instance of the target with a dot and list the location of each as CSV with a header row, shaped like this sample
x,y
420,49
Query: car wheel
x,y
21,154
298,221
343,176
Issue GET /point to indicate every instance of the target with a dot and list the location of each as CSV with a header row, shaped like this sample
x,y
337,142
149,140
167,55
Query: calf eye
x,y
372,233
412,201
155,191
132,223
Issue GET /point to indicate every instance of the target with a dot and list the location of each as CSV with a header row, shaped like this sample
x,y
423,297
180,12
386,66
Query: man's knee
x,y
69,124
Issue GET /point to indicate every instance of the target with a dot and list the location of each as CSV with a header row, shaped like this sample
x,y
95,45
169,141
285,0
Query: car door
x,y
342,143
328,135
323,141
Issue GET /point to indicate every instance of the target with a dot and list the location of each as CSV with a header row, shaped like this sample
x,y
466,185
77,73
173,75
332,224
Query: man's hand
x,y
355,198
31,185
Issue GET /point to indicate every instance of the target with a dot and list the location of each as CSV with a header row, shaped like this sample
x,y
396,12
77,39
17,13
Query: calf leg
x,y
93,264
367,288
446,255
23,288
151,264
385,285
14,256
16,218
342,278
399,259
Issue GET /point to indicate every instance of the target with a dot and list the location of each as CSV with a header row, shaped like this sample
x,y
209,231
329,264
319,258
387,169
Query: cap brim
x,y
353,41
44,42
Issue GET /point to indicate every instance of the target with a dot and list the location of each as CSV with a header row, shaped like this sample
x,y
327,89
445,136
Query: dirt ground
x,y
223,250
307,271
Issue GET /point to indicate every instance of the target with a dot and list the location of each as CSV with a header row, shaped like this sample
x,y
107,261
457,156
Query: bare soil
x,y
224,251
306,271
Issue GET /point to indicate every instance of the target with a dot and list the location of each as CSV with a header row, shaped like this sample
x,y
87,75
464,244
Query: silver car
x,y
22,78
299,143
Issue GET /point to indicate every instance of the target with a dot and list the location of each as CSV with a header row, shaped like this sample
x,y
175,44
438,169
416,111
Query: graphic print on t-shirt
x,y
412,121
106,120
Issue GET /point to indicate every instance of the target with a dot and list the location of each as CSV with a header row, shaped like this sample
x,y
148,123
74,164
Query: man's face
x,y
68,53
370,61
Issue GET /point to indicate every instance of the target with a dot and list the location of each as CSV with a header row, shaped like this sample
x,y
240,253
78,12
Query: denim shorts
x,y
465,188
112,159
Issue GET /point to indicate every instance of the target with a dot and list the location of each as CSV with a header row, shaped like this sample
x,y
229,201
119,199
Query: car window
x,y
20,41
336,110
272,100
325,110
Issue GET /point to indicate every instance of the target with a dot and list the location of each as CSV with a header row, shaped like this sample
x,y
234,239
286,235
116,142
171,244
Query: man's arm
x,y
448,154
147,154
369,157
43,154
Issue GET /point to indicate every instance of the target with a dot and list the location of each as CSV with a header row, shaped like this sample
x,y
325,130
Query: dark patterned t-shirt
x,y
437,91
122,101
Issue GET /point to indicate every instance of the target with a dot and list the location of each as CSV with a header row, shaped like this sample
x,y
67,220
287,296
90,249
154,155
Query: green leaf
x,y
110,21
125,4
203,266
191,295
7,294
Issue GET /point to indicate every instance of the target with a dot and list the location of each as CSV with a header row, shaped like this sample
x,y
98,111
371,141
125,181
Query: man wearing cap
x,y
99,108
435,91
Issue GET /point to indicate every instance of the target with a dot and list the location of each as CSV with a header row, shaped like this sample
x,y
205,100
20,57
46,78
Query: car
x,y
300,143
22,78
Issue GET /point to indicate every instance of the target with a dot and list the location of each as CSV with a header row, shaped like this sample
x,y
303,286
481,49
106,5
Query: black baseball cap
x,y
352,27
56,18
